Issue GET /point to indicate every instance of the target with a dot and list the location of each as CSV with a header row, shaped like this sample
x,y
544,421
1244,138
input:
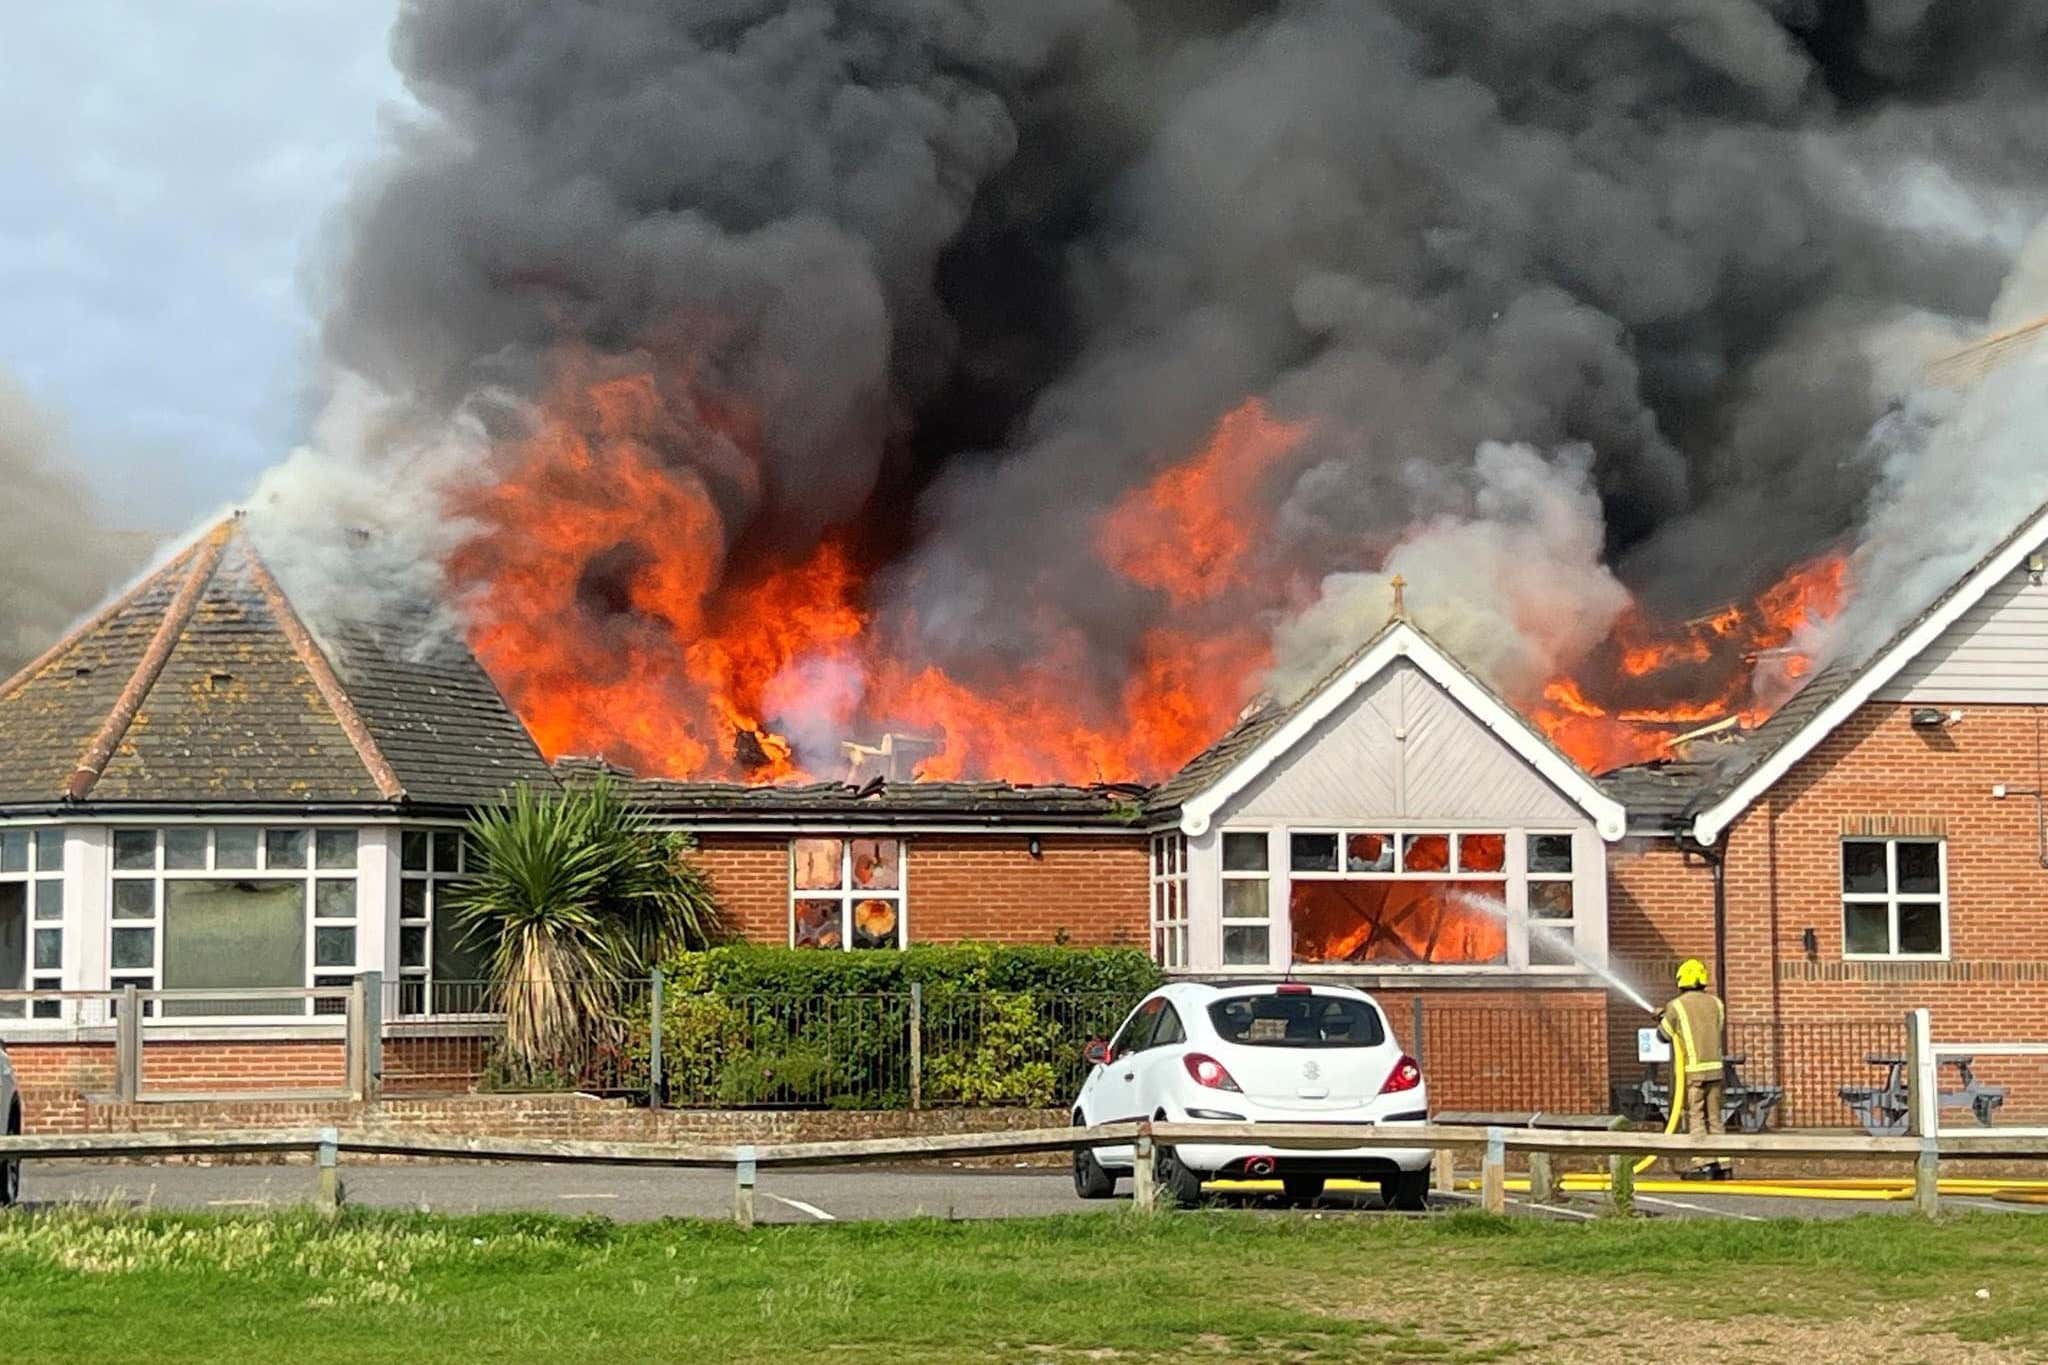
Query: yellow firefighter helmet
x,y
1692,972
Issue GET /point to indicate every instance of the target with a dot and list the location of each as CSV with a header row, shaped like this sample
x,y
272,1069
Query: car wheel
x,y
10,1171
1408,1191
1302,1189
1090,1180
1179,1186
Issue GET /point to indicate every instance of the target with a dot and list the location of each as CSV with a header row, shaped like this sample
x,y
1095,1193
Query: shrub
x,y
746,1025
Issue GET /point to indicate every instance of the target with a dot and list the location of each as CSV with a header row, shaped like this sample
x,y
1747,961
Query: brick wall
x,y
1089,888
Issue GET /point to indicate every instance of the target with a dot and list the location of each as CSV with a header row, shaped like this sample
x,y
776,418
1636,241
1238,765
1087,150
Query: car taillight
x,y
1406,1075
1208,1071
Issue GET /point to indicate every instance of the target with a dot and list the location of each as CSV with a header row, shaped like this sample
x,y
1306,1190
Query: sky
x,y
170,169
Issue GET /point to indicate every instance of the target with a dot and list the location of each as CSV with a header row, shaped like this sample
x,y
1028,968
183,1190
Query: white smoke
x,y
1515,590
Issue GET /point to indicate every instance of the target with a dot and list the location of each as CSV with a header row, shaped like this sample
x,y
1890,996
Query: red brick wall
x,y
1090,887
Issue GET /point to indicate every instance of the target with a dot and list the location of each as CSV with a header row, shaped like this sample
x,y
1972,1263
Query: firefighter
x,y
1692,1021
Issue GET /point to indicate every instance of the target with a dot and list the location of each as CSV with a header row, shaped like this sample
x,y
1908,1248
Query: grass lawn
x,y
1214,1286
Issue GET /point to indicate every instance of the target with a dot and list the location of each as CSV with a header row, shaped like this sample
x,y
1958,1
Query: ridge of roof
x,y
324,680
1815,710
205,558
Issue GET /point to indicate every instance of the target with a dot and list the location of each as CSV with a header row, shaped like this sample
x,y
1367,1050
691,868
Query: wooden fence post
x,y
1923,1110
1621,1184
1444,1166
654,1040
916,1045
1144,1172
128,1047
1542,1178
743,1188
1493,1175
327,1173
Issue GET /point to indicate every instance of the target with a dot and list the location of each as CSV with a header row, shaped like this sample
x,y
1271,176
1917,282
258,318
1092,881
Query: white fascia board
x,y
1404,642
1708,825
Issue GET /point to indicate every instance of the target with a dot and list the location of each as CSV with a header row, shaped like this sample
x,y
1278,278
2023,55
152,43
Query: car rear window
x,y
1297,1021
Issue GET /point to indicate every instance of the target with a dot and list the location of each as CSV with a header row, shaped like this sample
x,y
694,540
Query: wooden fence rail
x,y
328,1145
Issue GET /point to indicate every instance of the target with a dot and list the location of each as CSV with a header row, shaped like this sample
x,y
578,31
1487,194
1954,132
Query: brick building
x,y
209,787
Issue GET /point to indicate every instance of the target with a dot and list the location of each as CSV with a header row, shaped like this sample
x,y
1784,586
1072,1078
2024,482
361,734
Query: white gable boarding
x,y
1402,748
1996,651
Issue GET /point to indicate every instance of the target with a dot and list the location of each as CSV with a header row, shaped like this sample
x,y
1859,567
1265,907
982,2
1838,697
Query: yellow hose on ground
x,y
1677,1100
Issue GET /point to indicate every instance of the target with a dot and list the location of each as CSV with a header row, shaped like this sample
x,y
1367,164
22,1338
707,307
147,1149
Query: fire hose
x,y
1677,1100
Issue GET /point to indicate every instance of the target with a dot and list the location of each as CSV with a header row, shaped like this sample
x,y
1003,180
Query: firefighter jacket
x,y
1692,1020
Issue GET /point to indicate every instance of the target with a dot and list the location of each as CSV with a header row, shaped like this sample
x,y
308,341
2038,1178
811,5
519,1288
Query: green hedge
x,y
746,1026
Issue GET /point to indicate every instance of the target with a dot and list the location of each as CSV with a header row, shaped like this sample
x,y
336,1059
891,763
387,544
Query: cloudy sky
x,y
170,168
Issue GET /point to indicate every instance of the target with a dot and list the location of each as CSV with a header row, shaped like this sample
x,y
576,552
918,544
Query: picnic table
x,y
1744,1108
1883,1109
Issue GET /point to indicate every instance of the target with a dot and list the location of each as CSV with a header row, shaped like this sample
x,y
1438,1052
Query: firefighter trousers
x,y
1703,1110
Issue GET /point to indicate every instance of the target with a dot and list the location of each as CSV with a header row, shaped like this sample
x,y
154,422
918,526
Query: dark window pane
x,y
1246,945
49,949
334,848
875,923
1136,1034
234,846
462,960
1550,853
50,899
334,898
1397,921
134,898
1863,865
285,847
234,935
1369,853
134,848
1919,928
1312,852
1482,852
1866,928
13,850
1550,944
1244,899
334,946
412,898
1245,852
412,945
184,848
135,948
1316,1021
447,846
13,937
50,850
1919,868
412,850
1550,900
1170,1030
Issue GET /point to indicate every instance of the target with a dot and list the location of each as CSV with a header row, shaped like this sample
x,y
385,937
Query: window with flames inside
x,y
1390,898
846,893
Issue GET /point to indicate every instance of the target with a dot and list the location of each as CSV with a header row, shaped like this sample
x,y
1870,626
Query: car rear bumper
x,y
1239,1159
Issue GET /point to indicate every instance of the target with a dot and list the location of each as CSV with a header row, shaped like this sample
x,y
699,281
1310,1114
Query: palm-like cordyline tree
x,y
574,895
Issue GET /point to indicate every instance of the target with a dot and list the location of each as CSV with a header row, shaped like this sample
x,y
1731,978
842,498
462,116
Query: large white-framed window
x,y
847,891
443,969
1894,898
233,907
1170,899
1552,900
31,918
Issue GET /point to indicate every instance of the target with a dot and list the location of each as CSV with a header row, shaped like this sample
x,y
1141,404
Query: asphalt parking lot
x,y
790,1196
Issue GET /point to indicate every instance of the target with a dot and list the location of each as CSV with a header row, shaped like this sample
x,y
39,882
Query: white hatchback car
x,y
1286,1053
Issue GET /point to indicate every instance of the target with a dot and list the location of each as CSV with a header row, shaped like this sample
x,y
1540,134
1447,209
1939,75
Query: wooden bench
x,y
1883,1109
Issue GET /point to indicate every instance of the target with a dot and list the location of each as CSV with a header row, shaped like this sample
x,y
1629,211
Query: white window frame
x,y
421,976
847,894
33,877
1274,877
159,877
1531,877
1169,900
1892,898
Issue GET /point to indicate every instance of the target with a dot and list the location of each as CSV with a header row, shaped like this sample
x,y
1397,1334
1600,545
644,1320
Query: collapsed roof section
x,y
203,684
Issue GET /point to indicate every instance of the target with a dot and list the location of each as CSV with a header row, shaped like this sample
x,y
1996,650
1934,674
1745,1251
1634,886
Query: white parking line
x,y
595,1194
1579,1214
1697,1208
801,1207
